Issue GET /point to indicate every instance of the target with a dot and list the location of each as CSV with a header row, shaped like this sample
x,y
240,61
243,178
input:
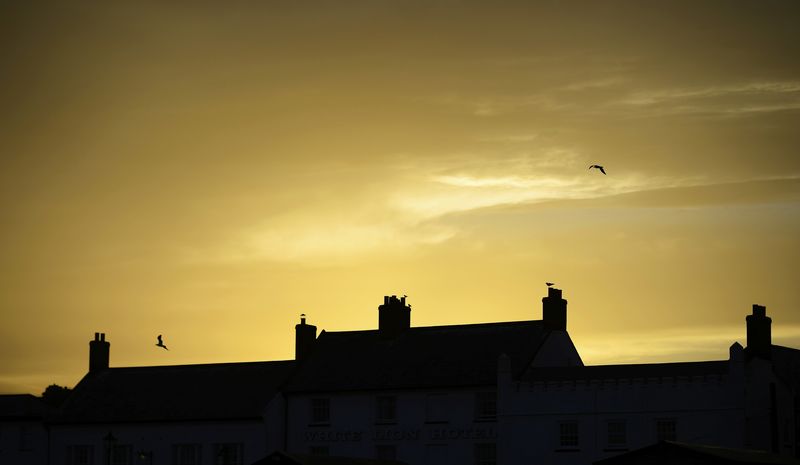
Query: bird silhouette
x,y
599,168
549,284
161,343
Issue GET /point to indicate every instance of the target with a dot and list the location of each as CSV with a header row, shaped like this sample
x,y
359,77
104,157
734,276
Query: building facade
x,y
497,393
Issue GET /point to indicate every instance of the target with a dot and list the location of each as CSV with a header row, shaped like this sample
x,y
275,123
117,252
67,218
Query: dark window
x,y
436,408
435,454
485,406
666,430
486,454
229,454
385,409
568,434
320,410
80,455
186,454
320,450
386,451
617,434
25,435
122,455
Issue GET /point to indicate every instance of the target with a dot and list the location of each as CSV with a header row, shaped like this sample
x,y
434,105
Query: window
x,y
320,410
122,455
320,450
485,454
80,455
386,451
485,406
435,454
568,435
186,454
229,454
436,408
617,434
665,430
385,409
24,437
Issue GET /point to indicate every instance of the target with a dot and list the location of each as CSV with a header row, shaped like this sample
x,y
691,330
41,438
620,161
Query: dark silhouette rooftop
x,y
174,393
459,355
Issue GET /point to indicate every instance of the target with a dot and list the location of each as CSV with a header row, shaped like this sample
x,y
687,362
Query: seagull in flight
x,y
599,168
161,343
549,284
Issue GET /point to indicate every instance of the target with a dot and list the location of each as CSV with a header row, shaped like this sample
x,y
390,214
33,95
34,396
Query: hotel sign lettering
x,y
397,434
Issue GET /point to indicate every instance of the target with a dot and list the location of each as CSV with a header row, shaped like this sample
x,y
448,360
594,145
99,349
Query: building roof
x,y
627,371
222,391
669,453
421,357
786,363
21,407
282,458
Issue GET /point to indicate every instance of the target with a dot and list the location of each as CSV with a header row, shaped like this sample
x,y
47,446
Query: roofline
x,y
57,422
198,365
385,389
495,323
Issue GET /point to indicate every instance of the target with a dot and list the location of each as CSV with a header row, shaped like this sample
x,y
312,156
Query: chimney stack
x,y
554,310
759,332
304,337
98,353
394,316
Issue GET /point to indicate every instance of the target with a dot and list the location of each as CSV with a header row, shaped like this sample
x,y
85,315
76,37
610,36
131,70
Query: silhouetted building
x,y
583,414
23,438
185,414
497,393
676,453
416,394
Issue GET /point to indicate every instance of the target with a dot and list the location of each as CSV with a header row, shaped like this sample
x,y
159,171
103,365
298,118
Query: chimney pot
x,y
554,310
759,332
304,337
99,350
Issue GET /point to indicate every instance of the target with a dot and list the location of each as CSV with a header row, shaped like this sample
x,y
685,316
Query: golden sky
x,y
210,170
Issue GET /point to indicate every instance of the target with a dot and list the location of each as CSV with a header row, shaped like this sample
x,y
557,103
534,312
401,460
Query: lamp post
x,y
109,441
146,455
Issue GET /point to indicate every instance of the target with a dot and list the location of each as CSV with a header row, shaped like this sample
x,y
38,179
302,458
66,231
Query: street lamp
x,y
109,441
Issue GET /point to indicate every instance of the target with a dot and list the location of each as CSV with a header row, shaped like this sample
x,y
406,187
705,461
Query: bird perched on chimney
x,y
599,168
549,284
161,343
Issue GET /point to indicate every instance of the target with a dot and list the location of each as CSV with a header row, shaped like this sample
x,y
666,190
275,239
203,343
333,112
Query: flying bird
x,y
599,168
549,284
161,343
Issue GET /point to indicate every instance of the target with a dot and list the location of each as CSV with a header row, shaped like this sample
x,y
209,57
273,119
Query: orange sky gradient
x,y
210,170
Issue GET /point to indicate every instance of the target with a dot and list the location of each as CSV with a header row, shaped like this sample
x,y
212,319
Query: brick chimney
x,y
554,310
759,332
394,316
98,352
304,337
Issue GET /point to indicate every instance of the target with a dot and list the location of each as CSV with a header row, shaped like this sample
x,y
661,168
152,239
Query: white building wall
x,y
156,440
419,436
23,442
706,410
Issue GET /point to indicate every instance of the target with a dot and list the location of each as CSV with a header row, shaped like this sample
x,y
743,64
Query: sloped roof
x,y
668,453
626,371
421,357
786,363
282,458
220,391
21,407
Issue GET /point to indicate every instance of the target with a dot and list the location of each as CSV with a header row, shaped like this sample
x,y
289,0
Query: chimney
x,y
98,353
759,332
394,316
304,337
554,310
